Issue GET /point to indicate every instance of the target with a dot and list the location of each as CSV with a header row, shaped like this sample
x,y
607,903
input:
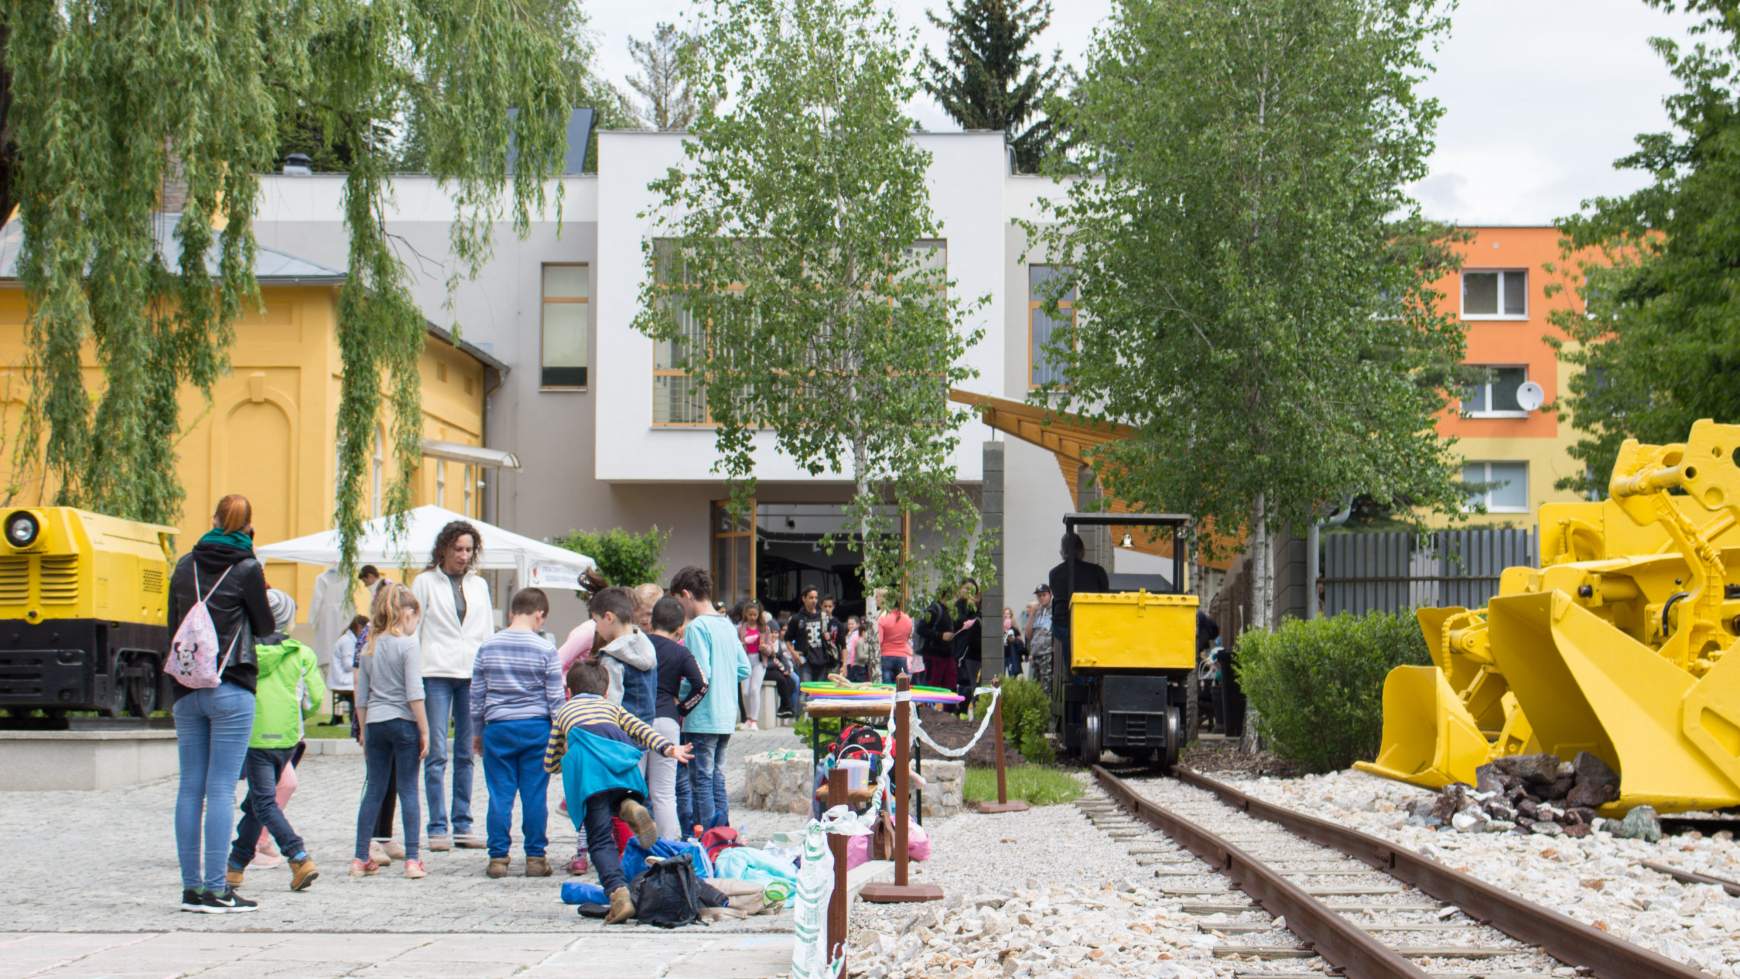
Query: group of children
x,y
636,722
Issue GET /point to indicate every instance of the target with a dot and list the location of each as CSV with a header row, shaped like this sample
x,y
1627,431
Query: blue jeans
x,y
211,739
389,745
262,768
601,839
685,800
892,667
448,699
513,762
707,780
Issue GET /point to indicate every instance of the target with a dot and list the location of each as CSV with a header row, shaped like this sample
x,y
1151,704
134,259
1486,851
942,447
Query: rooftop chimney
x,y
298,165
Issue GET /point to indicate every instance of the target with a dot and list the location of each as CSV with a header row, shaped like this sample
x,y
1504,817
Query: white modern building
x,y
606,428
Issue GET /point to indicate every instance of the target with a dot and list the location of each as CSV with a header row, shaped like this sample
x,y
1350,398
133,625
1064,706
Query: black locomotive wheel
x,y
1092,737
114,702
142,690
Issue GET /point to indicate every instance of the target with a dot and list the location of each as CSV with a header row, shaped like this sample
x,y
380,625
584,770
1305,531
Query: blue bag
x,y
634,856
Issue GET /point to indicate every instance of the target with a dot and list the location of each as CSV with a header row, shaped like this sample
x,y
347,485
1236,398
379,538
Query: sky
x,y
1540,96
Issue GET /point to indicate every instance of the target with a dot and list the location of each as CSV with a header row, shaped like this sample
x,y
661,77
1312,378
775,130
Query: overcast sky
x,y
1540,96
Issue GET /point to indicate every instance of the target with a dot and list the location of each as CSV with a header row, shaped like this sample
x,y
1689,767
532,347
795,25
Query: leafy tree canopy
x,y
667,94
624,557
990,76
115,102
795,273
1253,278
1657,345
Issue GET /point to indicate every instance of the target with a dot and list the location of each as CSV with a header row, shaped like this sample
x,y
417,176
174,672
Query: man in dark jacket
x,y
808,635
966,641
935,632
1075,574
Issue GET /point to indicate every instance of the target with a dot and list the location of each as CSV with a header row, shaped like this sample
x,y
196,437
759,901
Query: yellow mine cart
x,y
1622,644
84,606
1126,663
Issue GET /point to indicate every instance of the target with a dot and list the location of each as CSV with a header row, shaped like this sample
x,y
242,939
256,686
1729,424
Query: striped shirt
x,y
603,718
516,675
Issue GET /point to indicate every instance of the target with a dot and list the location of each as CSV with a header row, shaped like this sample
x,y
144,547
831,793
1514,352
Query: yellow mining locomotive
x,y
1126,677
84,602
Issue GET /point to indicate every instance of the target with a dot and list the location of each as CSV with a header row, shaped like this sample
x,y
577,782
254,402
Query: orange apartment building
x,y
1500,295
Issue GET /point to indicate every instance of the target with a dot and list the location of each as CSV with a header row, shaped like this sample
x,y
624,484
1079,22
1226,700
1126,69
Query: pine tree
x,y
991,79
663,83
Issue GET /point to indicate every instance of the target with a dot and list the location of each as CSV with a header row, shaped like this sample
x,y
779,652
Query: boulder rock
x,y
1487,778
1639,824
1558,788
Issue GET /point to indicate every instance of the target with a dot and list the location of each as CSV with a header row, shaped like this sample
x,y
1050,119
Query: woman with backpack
x,y
217,605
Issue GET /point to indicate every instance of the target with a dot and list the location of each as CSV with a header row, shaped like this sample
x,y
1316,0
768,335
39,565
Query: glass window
x,y
566,311
1482,293
1042,282
1505,489
1497,394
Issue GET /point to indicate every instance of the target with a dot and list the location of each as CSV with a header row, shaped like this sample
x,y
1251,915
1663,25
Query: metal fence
x,y
1390,571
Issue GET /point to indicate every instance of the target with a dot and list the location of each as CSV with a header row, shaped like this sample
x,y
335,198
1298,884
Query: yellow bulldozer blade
x,y
1590,687
1429,737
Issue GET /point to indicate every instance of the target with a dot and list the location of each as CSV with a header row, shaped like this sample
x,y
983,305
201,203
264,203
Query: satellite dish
x,y
1529,396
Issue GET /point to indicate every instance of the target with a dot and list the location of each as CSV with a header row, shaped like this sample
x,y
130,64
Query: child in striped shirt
x,y
597,747
516,688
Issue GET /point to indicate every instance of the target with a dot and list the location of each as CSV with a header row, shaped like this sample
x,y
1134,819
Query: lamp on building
x,y
1126,542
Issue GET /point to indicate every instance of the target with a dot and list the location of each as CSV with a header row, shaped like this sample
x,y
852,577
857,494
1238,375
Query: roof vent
x,y
298,165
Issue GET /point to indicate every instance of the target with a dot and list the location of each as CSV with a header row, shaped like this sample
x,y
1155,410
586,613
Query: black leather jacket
x,y
238,605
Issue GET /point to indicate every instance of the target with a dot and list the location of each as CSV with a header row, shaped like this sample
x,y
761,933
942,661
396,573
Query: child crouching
x,y
596,745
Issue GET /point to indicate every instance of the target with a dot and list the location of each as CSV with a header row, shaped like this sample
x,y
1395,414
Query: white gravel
x,y
1597,880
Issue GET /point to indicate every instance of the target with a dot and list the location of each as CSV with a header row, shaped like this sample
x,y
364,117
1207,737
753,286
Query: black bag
x,y
667,894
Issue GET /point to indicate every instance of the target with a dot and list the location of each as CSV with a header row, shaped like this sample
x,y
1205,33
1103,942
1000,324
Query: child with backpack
x,y
393,728
288,690
597,746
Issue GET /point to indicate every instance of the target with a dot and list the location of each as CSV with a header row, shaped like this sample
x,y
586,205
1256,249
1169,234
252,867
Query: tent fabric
x,y
503,550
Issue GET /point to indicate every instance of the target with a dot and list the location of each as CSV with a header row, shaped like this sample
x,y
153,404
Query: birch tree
x,y
1253,276
798,274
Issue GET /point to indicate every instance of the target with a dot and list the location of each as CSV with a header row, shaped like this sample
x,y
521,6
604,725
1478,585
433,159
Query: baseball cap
x,y
1043,589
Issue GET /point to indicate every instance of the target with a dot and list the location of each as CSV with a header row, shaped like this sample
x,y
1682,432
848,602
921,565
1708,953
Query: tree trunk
x,y
1262,585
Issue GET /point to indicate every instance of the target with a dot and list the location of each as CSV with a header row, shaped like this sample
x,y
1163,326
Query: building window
x,y
565,312
1495,295
1495,396
1041,326
470,486
1506,486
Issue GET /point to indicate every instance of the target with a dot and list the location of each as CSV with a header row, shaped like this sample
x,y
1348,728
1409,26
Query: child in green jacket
x,y
289,691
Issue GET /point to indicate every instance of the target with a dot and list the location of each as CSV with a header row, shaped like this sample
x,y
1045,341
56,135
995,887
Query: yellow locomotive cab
x,y
83,610
1136,630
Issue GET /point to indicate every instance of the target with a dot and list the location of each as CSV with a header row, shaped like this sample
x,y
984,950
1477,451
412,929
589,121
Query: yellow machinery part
x,y
1429,738
1136,630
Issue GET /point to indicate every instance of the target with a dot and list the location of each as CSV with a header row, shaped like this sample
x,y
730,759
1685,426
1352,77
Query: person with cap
x,y
1039,637
1074,574
287,692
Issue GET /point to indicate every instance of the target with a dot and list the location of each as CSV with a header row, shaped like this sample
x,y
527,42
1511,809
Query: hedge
x,y
1317,685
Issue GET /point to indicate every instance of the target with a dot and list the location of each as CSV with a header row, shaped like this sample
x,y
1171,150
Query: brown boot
x,y
537,867
621,906
646,829
233,877
302,873
498,867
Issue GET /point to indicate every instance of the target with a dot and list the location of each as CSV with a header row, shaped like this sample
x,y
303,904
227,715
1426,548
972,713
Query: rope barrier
x,y
984,725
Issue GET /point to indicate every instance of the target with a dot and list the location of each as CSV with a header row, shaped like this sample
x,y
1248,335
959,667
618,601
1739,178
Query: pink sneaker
x,y
578,866
414,870
364,868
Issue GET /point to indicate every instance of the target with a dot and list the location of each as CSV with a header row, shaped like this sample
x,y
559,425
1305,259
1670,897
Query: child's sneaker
x,y
364,868
578,866
395,849
193,900
497,869
621,906
537,867
414,870
229,902
378,854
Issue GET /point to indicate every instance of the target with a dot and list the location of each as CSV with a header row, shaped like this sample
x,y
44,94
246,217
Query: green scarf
x,y
235,538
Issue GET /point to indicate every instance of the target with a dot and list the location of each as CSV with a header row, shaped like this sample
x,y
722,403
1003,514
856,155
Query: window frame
x,y
544,303
1034,305
1497,413
1500,315
1471,506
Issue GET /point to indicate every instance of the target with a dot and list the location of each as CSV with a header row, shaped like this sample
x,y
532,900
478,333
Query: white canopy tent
x,y
534,562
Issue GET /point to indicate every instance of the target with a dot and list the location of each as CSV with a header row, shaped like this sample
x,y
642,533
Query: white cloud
x,y
1540,96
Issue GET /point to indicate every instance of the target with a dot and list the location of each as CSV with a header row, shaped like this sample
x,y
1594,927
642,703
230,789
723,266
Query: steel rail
x,y
1566,939
1340,942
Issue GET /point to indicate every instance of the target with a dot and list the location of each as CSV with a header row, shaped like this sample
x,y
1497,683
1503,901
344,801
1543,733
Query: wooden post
x,y
837,796
901,892
1002,804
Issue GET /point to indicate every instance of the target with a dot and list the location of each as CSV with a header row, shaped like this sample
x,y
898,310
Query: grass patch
x,y
1037,785
327,731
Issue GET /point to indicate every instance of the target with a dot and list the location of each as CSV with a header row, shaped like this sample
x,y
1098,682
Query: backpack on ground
x,y
719,839
668,894
193,652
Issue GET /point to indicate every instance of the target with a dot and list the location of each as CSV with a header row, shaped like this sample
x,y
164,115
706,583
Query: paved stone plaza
x,y
109,858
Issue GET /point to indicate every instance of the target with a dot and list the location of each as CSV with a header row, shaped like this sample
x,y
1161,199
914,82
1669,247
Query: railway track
x,y
1291,896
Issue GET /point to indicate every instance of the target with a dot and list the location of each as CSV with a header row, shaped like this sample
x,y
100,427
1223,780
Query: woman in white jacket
x,y
457,618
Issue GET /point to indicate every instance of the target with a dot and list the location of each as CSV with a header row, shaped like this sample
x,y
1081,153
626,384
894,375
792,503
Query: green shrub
x,y
623,558
831,727
1026,718
1317,686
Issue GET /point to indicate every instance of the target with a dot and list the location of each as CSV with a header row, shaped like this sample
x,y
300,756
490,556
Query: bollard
x,y
901,892
837,796
1002,804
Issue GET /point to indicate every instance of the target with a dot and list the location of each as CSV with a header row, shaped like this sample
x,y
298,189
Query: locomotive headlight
x,y
21,530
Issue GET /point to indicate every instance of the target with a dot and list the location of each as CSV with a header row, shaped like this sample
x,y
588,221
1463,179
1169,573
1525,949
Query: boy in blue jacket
x,y
713,640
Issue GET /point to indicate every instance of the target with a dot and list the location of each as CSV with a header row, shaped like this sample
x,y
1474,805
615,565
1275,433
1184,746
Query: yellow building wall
x,y
271,427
